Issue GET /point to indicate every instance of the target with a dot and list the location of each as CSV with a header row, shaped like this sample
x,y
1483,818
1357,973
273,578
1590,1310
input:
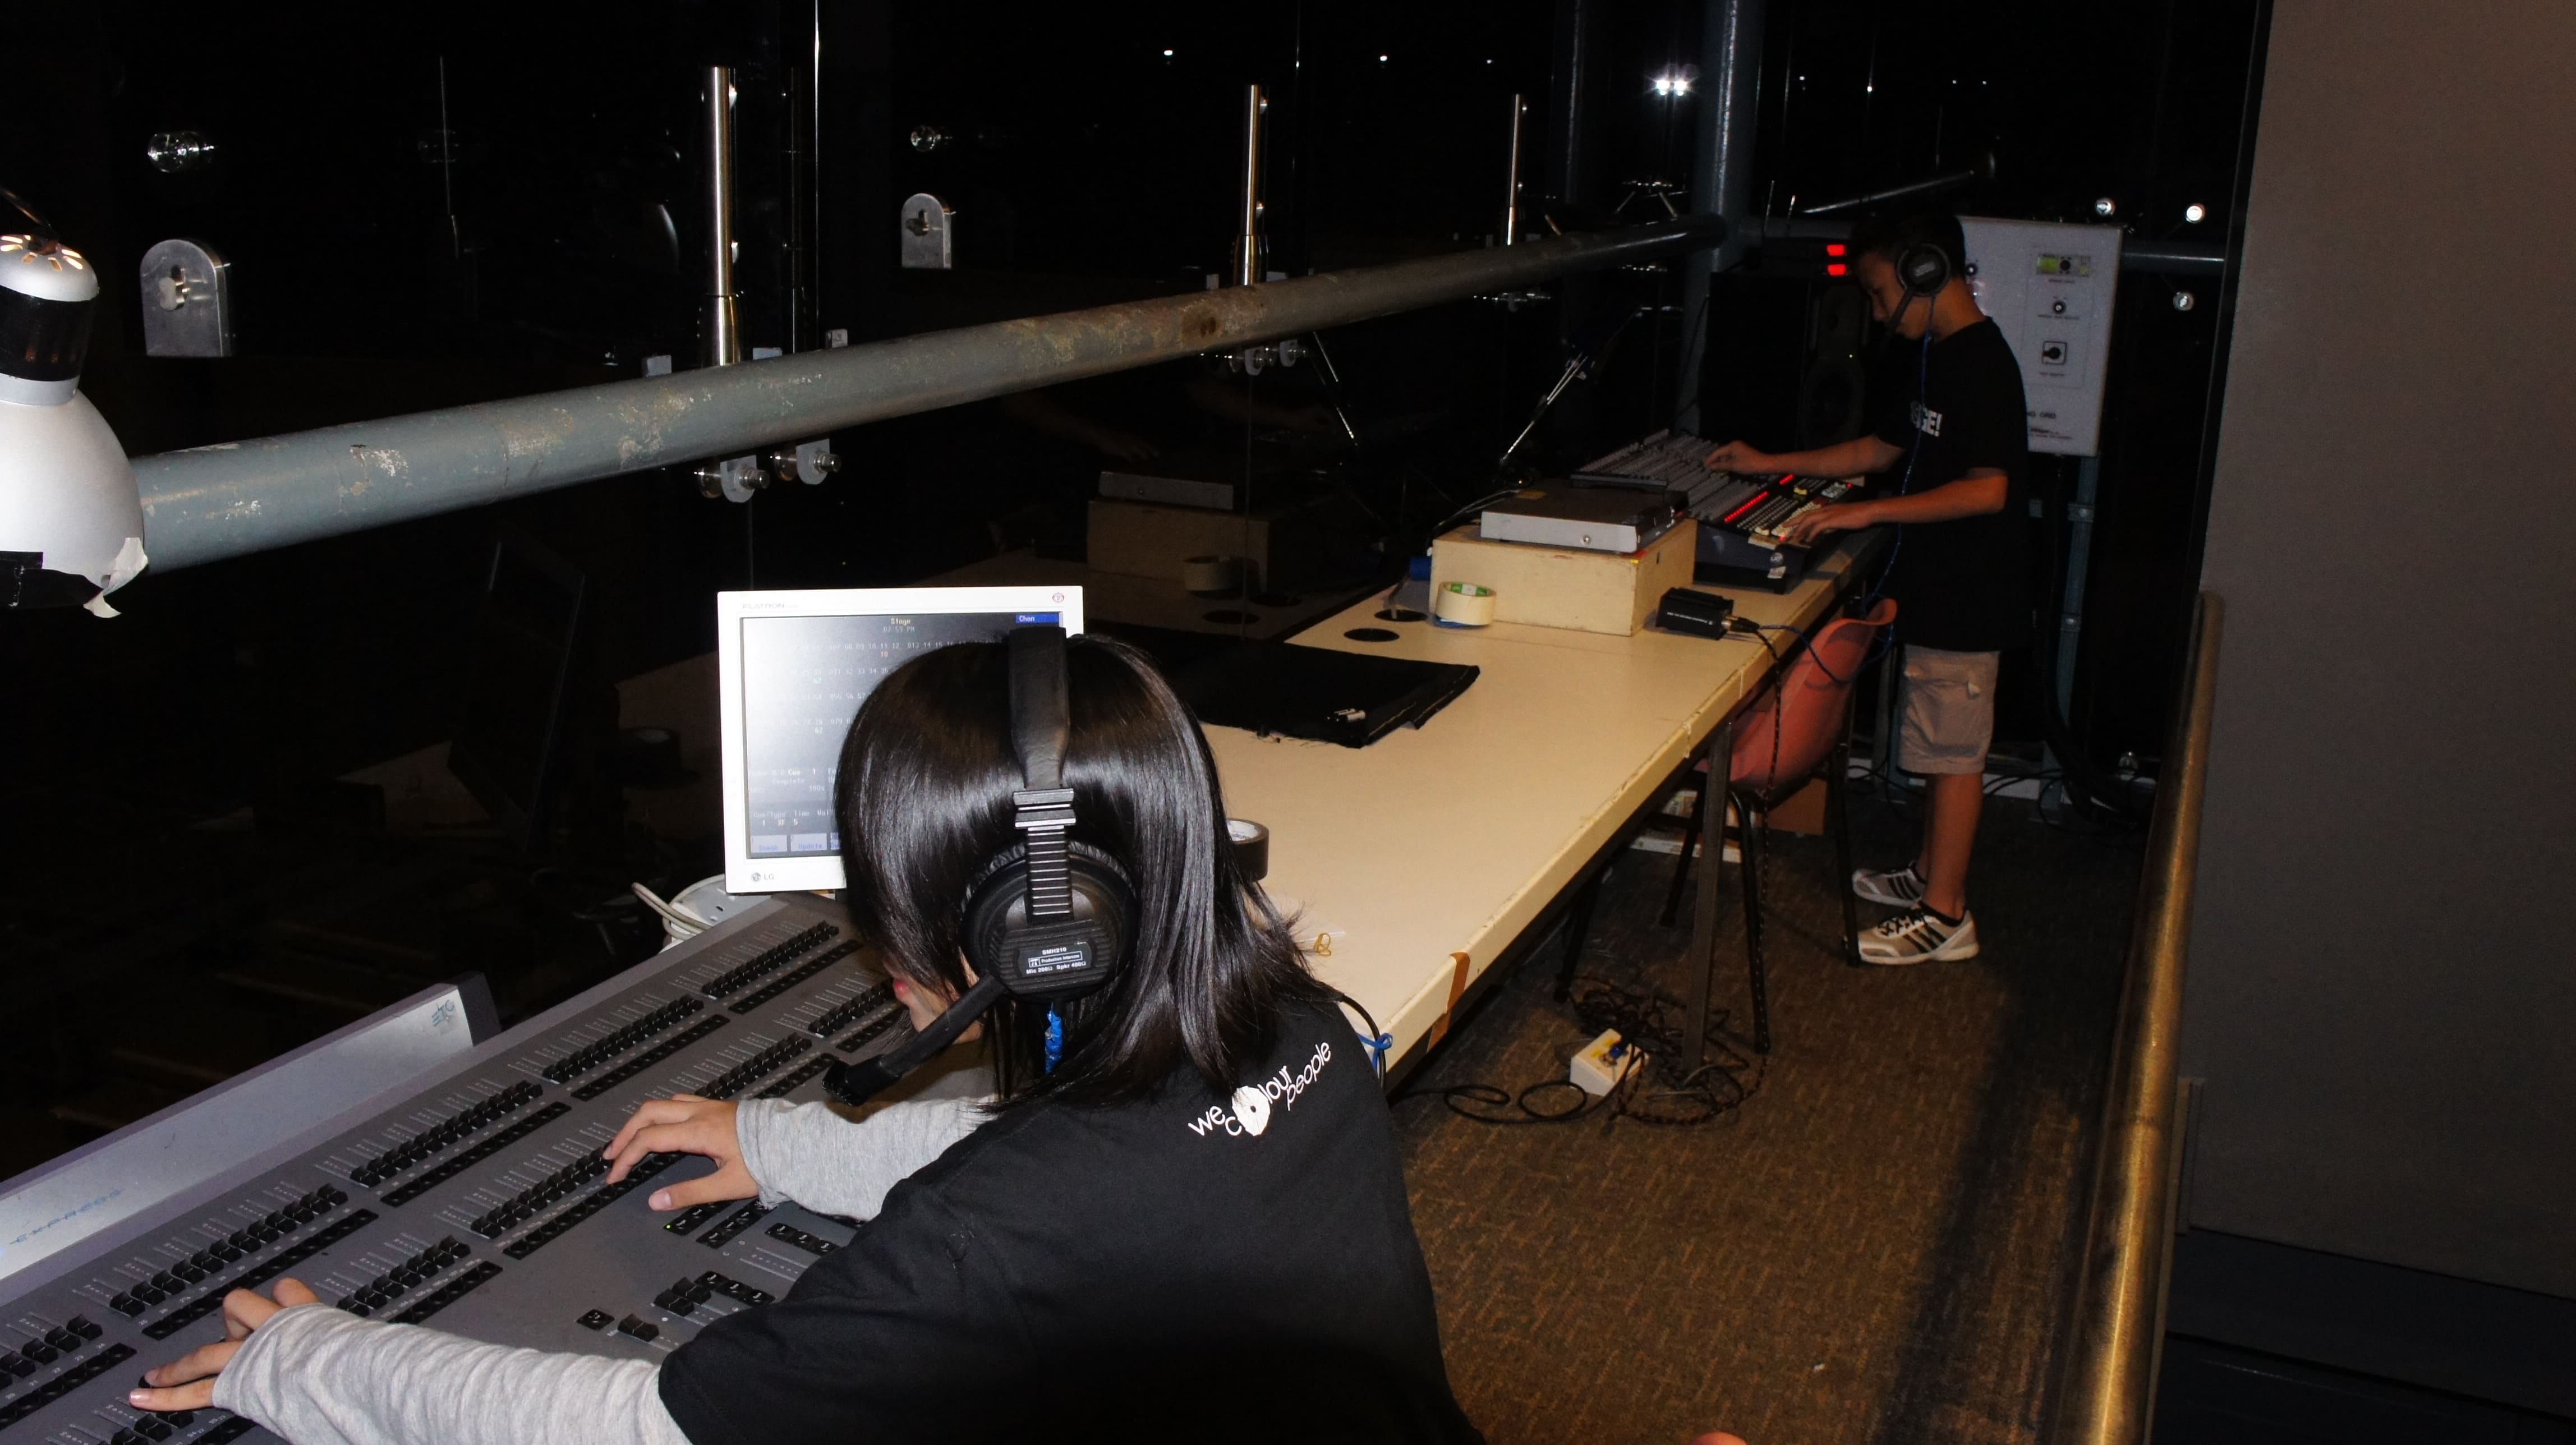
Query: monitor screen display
x,y
794,668
803,680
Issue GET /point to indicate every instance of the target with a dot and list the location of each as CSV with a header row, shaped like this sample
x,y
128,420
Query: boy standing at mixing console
x,y
1959,432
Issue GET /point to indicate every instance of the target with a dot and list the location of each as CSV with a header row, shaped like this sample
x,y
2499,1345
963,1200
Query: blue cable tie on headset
x,y
1377,1048
1054,1038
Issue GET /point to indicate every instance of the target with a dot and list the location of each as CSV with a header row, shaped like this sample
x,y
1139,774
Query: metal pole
x,y
1722,179
1512,188
224,501
1247,241
723,326
2079,553
1712,888
798,155
1909,191
2106,1393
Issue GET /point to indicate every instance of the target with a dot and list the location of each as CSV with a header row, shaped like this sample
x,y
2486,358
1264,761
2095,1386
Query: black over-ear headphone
x,y
1922,268
1047,918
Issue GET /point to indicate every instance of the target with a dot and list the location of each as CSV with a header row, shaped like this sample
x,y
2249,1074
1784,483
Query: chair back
x,y
1792,727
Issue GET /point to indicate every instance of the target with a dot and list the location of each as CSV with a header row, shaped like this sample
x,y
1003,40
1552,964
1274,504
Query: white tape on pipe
x,y
1464,604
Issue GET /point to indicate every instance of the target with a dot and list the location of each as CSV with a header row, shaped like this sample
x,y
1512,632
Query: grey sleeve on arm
x,y
319,1376
833,1165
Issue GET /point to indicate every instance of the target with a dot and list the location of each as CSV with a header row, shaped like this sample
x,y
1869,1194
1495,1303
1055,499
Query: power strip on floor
x,y
1603,1063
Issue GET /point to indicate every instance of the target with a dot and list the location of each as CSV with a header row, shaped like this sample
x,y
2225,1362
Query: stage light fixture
x,y
2195,213
71,520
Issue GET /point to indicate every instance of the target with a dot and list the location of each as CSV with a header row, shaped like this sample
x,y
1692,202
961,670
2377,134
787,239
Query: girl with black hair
x,y
1189,1223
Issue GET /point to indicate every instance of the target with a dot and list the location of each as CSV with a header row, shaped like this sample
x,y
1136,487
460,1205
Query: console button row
x,y
651,1056
457,1164
163,1426
734,1223
591,1055
733,1289
61,1340
795,976
870,1032
767,961
398,1281
182,1316
445,1133
734,1080
684,1297
841,1017
688,1220
810,1243
534,1200
63,1384
483,1272
238,1245
591,1203
790,1081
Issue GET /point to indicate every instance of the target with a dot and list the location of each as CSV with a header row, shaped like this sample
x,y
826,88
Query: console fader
x,y
479,1202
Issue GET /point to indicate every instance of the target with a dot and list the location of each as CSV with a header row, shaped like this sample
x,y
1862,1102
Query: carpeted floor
x,y
1872,1249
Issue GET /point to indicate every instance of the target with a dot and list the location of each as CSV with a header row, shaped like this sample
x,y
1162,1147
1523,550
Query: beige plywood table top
x,y
1451,838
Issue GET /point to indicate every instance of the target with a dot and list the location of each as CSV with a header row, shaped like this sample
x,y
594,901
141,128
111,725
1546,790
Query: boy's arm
x,y
1983,491
833,1165
1842,459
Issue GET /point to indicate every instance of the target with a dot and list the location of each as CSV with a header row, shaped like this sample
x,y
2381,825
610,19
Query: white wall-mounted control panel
x,y
2051,287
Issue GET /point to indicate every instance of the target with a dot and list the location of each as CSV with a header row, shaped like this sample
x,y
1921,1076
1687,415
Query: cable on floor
x,y
1662,1093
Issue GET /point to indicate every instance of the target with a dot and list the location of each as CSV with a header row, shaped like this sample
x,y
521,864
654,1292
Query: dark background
x,y
427,206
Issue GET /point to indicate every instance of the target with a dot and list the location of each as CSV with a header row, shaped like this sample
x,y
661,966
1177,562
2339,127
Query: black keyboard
x,y
1761,508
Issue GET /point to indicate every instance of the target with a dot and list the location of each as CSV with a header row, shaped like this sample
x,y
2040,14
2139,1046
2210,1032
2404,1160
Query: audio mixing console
x,y
480,1201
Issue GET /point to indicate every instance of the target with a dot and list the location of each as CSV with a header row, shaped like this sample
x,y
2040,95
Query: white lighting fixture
x,y
1167,55
2195,213
2106,208
1676,81
1381,60
71,521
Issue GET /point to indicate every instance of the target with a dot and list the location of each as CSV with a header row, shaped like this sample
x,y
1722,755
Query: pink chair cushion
x,y
1808,706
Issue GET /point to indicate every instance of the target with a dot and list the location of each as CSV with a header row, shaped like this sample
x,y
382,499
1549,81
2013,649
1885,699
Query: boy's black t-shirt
x,y
1962,585
1192,1266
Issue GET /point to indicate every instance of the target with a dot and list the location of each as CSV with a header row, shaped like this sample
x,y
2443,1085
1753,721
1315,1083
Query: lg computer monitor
x,y
792,669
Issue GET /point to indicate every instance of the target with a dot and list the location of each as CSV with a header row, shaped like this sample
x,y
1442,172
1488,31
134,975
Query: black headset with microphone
x,y
1047,918
1922,268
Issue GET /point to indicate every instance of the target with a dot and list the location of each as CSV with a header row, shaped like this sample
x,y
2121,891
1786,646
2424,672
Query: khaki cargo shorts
x,y
1949,710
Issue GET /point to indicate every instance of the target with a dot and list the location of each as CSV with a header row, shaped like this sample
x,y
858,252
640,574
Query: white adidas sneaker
x,y
1919,936
1895,887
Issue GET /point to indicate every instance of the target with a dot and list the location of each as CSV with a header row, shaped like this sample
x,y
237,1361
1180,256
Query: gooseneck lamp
x,y
71,521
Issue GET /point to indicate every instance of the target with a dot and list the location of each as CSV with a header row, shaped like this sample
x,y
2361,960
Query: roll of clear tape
x,y
1463,604
1251,848
1211,576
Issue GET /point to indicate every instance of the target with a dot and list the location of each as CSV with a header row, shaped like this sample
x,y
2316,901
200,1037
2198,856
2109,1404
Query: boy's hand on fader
x,y
1738,457
188,1382
684,1124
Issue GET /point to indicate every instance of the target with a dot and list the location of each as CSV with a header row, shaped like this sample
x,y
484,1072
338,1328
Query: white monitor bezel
x,y
743,873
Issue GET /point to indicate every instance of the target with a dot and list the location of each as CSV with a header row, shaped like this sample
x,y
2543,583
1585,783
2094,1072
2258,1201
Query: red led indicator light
x,y
1836,268
1835,248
